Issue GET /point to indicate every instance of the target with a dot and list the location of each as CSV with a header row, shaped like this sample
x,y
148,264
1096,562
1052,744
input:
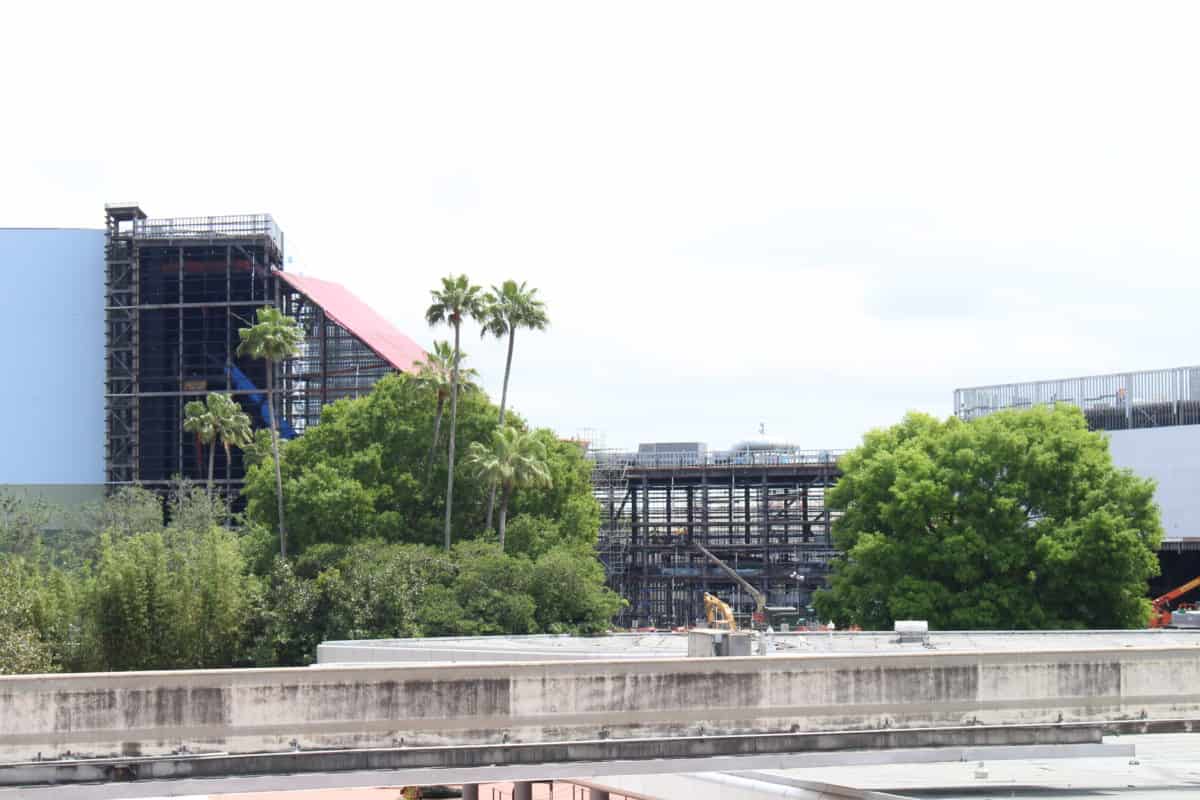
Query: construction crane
x,y
1160,613
760,600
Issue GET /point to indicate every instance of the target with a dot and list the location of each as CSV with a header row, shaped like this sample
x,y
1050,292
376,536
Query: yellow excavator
x,y
718,613
760,600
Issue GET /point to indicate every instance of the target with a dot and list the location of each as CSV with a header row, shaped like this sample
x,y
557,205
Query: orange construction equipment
x,y
1160,613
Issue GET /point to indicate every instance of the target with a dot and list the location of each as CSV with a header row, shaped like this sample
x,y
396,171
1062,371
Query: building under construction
x,y
759,507
177,291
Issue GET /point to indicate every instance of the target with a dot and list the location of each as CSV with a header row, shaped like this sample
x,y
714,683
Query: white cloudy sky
x,y
814,216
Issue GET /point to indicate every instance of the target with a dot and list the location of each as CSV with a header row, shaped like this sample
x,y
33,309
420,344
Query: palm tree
x,y
457,298
198,419
510,306
274,337
232,430
516,459
436,373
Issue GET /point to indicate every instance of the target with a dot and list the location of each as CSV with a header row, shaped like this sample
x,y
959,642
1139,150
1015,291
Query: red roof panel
x,y
360,319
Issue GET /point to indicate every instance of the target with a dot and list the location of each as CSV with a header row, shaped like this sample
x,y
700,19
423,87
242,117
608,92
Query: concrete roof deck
x,y
1164,765
674,645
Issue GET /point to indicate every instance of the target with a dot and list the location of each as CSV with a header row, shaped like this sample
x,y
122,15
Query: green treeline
x,y
120,588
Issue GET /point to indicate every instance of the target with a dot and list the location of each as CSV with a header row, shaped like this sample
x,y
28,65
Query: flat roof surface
x,y
505,648
674,645
1164,765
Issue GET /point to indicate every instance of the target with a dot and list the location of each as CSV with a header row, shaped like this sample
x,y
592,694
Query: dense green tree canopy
x,y
360,474
1014,520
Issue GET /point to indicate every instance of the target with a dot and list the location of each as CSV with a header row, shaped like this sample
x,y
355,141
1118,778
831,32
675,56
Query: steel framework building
x,y
760,508
1121,401
177,293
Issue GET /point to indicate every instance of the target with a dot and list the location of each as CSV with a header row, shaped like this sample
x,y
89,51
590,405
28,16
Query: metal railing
x,y
1149,398
227,226
716,458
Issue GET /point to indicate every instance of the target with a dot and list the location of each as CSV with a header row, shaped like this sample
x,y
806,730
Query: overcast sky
x,y
814,217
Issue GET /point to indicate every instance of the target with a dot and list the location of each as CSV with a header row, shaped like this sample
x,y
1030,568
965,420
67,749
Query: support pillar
x,y
470,791
523,790
595,793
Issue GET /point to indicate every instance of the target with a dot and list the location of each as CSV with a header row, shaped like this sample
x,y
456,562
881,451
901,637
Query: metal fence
x,y
1147,399
230,225
775,456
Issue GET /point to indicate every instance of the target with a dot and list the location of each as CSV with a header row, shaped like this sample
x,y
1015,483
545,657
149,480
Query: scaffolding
x,y
761,510
178,291
1121,401
331,364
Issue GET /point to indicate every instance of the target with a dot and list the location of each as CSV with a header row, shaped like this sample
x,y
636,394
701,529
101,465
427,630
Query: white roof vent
x,y
912,630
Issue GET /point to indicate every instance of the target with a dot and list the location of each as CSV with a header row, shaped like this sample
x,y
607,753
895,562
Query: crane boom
x,y
1178,591
760,601
1160,614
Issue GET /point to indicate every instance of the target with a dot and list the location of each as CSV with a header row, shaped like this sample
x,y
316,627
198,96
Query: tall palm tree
x,y
273,338
458,298
510,306
436,373
514,460
198,419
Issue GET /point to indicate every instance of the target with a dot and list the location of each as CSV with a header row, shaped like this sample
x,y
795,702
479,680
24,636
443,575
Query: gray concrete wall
x,y
257,710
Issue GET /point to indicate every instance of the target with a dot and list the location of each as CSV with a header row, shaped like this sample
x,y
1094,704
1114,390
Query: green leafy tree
x,y
1015,520
568,588
289,621
458,298
61,617
360,473
490,594
128,510
273,338
198,419
191,510
568,500
22,647
377,588
437,373
508,307
514,459
23,520
135,604
180,596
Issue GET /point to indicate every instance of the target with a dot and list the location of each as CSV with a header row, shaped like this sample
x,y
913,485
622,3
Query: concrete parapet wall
x,y
240,711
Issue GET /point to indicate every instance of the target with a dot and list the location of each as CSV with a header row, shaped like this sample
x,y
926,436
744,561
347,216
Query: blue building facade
x,y
52,326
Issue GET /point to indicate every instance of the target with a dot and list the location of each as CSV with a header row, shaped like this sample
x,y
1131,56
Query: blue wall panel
x,y
52,353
